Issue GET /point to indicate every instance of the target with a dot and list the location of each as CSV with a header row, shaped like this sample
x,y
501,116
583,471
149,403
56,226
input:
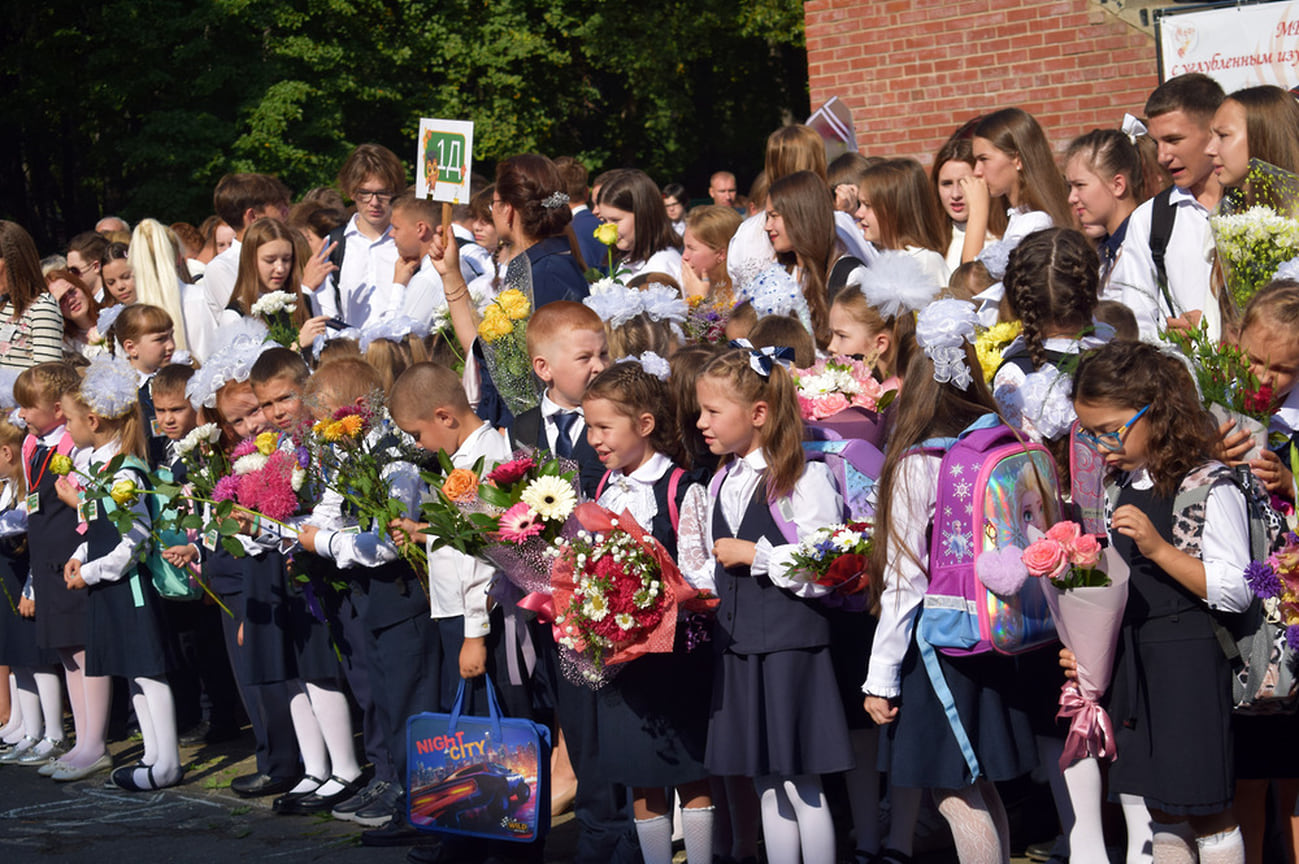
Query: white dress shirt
x,y
458,583
663,261
1188,261
422,294
1021,224
364,280
933,264
474,259
548,411
219,280
122,557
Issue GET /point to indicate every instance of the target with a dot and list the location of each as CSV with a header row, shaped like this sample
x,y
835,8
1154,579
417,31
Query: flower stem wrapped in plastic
x,y
1256,228
503,336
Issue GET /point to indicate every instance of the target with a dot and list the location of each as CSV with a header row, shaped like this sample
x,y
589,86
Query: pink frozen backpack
x,y
995,492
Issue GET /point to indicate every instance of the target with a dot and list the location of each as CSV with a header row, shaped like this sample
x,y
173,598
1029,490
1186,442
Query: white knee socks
x,y
655,836
1086,838
160,707
697,831
1140,840
1226,847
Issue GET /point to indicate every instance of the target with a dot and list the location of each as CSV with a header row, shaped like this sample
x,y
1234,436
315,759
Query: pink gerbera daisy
x,y
519,523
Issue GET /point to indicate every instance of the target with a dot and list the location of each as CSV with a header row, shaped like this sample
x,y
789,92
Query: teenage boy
x,y
415,222
575,177
1164,265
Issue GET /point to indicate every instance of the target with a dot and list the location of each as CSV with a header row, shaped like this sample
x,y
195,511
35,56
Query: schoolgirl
x,y
918,750
647,242
896,210
1171,693
125,631
52,531
36,709
777,716
654,715
709,230
118,275
147,336
271,259
1106,183
953,162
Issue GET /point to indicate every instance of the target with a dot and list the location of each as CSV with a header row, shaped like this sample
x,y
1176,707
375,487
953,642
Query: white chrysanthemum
x,y
624,621
250,463
297,478
208,432
273,302
596,606
551,497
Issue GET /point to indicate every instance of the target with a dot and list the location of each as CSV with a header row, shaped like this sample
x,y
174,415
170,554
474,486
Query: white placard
x,y
1238,46
444,159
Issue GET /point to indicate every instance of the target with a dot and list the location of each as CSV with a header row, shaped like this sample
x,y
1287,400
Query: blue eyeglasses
x,y
1111,441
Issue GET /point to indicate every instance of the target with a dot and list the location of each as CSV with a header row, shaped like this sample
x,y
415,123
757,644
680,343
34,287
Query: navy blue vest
x,y
53,528
530,431
755,616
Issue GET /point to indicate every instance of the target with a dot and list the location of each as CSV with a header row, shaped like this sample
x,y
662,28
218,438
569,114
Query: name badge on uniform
x,y
210,539
351,529
34,503
156,428
88,511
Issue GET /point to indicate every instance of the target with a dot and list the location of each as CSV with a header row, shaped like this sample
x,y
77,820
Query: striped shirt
x,y
36,337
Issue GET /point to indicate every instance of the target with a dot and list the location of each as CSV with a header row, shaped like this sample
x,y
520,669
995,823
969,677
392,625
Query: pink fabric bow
x,y
1091,732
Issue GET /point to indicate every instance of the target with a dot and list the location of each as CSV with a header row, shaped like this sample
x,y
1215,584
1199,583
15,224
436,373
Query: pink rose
x,y
1064,533
831,404
1085,551
1046,558
807,408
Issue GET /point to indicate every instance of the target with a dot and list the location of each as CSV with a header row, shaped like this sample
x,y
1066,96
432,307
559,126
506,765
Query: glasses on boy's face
x,y
364,196
1111,441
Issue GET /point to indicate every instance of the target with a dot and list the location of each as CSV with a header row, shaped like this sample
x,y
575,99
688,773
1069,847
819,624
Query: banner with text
x,y
1238,46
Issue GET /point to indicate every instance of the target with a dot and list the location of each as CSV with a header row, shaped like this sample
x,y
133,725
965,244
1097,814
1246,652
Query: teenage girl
x,y
654,715
1254,123
647,242
777,715
80,336
1051,285
1106,183
37,707
117,274
709,230
800,226
1014,170
918,749
896,210
271,259
125,630
953,162
1171,693
148,341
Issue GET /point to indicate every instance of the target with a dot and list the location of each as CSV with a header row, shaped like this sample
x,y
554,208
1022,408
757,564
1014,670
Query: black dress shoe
x,y
257,785
398,832
314,802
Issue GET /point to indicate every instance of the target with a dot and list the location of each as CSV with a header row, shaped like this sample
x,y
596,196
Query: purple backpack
x,y
995,490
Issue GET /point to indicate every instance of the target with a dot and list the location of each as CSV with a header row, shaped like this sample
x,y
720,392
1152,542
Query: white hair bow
x,y
1133,128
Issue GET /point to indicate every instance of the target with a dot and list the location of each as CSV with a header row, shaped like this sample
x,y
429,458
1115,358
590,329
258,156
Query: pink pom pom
x,y
1002,571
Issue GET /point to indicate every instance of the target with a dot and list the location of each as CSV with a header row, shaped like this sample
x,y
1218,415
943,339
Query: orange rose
x,y
461,485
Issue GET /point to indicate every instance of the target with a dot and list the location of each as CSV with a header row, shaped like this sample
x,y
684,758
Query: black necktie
x,y
564,421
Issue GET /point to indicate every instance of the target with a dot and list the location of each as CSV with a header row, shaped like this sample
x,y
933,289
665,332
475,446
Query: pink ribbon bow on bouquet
x,y
1091,732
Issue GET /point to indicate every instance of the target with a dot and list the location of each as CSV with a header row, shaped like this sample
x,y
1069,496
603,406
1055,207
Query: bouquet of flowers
x,y
832,386
266,479
836,557
456,516
1228,388
276,308
1256,228
534,500
616,593
1089,588
706,319
503,333
991,342
204,460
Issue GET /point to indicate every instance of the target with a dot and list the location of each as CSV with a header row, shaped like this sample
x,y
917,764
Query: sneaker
x,y
398,832
368,795
382,809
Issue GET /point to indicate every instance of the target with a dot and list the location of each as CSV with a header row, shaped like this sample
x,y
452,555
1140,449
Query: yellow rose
x,y
266,443
495,324
124,492
514,304
607,233
61,465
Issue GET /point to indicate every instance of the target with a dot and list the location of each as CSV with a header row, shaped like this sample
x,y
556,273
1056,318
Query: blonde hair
x,y
127,429
153,259
388,358
12,436
425,387
714,226
345,381
45,382
902,329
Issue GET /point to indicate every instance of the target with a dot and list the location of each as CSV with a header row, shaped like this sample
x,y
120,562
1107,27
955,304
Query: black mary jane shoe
x,y
314,802
285,802
124,778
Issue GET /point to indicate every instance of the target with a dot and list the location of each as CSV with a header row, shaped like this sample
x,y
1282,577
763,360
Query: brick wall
x,y
914,70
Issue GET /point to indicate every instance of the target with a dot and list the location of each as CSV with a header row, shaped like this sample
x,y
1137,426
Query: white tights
x,y
1086,837
41,704
796,820
978,822
322,721
90,698
156,710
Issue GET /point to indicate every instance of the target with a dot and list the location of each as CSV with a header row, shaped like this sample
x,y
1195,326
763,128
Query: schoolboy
x,y
394,645
566,343
415,222
1163,270
196,626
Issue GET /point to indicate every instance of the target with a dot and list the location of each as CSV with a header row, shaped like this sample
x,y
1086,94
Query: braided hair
x,y
1051,283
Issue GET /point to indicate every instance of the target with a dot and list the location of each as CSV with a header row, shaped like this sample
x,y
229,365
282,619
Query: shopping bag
x,y
478,776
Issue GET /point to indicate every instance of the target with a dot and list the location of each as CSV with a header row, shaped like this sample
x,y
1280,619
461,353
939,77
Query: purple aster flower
x,y
1262,580
304,457
1292,636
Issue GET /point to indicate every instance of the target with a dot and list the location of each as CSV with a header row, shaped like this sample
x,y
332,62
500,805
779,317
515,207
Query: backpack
x,y
1162,216
1087,483
983,475
1265,670
170,581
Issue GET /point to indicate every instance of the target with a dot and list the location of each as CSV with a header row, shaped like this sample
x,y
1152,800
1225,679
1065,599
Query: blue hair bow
x,y
761,360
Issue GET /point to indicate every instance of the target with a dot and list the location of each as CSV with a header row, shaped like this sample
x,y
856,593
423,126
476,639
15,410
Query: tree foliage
x,y
139,106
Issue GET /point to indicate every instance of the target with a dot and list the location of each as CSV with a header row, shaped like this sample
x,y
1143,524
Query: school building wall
x,y
914,70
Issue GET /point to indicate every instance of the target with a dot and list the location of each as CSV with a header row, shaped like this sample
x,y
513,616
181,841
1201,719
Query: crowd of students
x,y
127,343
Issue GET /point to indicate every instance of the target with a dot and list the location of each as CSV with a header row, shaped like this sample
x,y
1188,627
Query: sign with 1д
x,y
444,160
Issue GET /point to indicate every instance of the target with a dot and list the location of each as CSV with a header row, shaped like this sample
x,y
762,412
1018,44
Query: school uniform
x,y
51,533
156,443
919,749
125,634
653,715
594,253
18,646
548,269
1171,692
540,428
775,707
1021,222
663,261
361,292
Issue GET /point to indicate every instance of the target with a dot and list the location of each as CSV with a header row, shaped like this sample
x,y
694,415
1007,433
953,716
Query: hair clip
x,y
1133,128
652,363
942,329
761,360
554,199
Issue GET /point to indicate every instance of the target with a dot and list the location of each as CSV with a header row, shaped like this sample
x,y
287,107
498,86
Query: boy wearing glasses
x,y
362,291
